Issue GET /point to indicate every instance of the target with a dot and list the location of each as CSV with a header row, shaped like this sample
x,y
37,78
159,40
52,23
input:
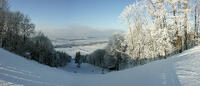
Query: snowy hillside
x,y
182,69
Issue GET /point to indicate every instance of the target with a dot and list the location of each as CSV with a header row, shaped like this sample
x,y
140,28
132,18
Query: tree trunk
x,y
185,24
179,42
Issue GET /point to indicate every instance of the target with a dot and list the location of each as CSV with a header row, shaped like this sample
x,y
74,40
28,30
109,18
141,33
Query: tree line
x,y
18,35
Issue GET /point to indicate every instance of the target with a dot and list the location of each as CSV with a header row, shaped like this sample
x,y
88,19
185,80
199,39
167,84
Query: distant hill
x,y
79,32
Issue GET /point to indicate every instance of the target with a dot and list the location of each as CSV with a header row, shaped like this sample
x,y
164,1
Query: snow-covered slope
x,y
182,69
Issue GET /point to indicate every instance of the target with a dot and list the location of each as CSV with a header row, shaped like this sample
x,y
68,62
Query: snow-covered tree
x,y
180,13
134,16
116,44
161,31
78,59
196,14
116,49
27,28
156,27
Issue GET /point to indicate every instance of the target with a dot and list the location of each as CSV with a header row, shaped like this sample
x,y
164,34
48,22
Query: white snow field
x,y
82,49
79,38
178,70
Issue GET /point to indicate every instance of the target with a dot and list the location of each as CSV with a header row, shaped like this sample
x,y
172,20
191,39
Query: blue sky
x,y
101,14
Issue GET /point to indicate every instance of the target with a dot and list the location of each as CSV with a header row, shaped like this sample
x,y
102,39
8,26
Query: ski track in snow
x,y
188,69
6,83
179,70
22,72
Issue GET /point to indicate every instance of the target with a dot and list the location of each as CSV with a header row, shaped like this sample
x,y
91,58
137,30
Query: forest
x,y
156,29
18,35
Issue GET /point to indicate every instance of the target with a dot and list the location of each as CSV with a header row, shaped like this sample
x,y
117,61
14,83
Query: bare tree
x,y
3,10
